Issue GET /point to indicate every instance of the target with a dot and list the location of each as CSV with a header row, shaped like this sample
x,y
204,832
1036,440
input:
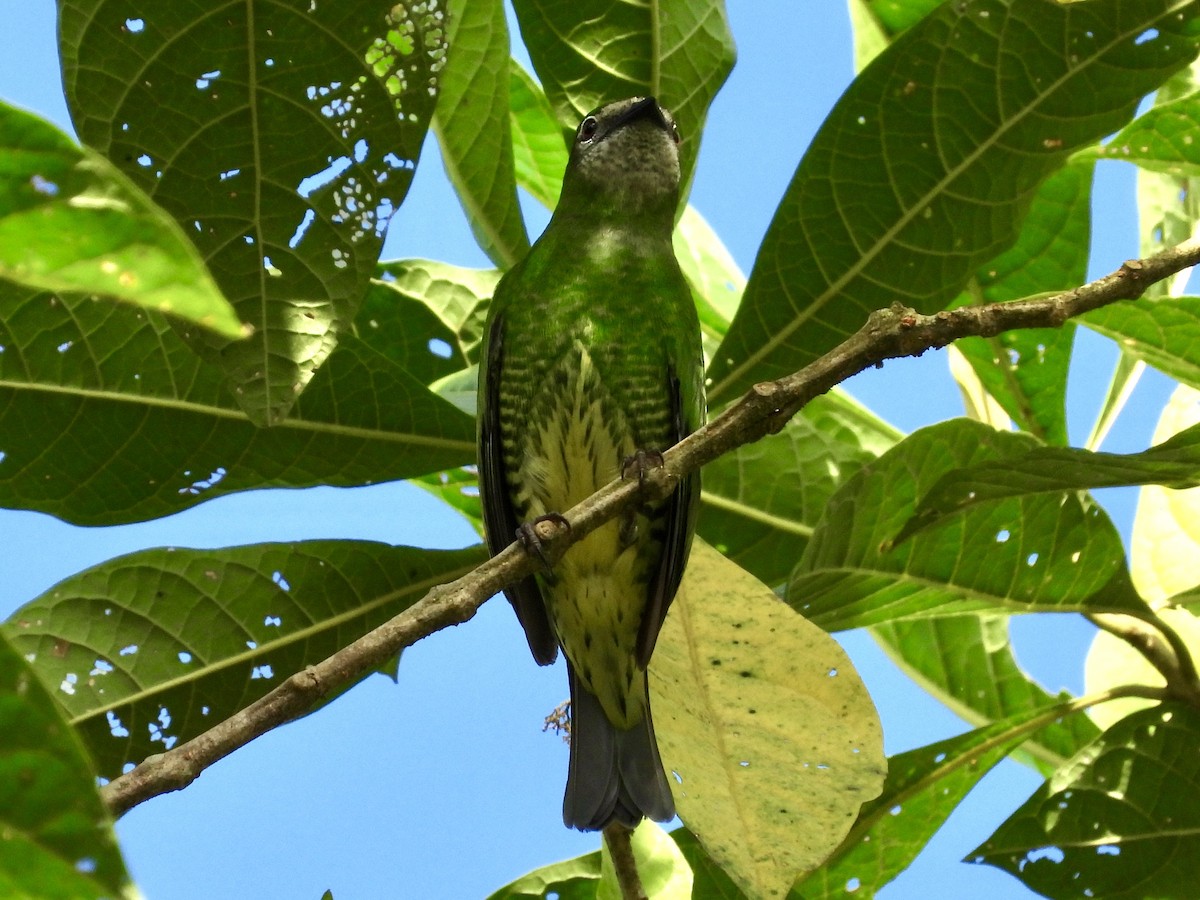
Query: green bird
x,y
591,366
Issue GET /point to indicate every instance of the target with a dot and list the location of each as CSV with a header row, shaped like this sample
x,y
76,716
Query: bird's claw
x,y
529,538
640,462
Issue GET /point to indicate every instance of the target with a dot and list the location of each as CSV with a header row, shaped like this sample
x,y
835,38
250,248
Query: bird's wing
x,y
680,519
499,517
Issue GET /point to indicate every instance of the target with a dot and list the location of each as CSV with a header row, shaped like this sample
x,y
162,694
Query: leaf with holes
x,y
107,417
1120,821
679,52
57,836
967,662
153,648
426,315
281,135
924,786
69,220
1040,553
770,735
928,164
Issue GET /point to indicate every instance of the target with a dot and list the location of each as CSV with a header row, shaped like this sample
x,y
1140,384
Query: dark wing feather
x,y
499,518
680,515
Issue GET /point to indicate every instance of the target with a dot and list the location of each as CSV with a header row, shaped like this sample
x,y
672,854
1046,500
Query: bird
x,y
590,366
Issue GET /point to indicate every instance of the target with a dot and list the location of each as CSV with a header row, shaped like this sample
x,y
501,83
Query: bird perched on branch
x,y
591,366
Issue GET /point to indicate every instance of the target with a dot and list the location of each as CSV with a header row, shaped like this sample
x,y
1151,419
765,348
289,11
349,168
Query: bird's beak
x,y
646,108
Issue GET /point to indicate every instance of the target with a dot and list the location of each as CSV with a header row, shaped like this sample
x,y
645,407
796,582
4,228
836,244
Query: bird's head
x,y
625,156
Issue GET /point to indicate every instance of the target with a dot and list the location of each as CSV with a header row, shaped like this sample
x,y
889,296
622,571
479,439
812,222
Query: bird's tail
x,y
614,774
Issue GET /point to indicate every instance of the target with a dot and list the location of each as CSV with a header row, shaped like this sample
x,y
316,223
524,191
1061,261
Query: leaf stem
x,y
617,838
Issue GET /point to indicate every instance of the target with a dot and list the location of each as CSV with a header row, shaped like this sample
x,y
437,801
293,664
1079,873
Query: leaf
x,y
761,502
427,316
473,129
58,840
678,52
571,879
708,879
1025,470
764,724
69,220
1120,821
716,281
924,786
1164,547
967,663
662,869
929,162
1041,553
1165,333
1026,370
1166,139
107,417
156,647
539,151
1113,662
281,137
459,489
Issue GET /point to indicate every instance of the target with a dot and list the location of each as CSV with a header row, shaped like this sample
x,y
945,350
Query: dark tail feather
x,y
614,774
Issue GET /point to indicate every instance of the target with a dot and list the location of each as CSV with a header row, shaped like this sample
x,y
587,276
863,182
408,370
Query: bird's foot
x,y
639,463
533,542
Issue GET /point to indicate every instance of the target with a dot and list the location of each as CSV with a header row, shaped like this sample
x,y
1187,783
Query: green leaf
x,y
107,417
897,16
708,879
678,52
929,162
761,502
716,281
661,867
1164,549
924,786
69,220
1022,470
1026,370
571,879
153,648
58,842
1041,553
1166,139
473,127
458,489
967,662
1120,821
416,302
1165,333
539,151
770,735
203,110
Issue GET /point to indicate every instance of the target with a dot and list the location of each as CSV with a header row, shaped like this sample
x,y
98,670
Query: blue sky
x,y
443,784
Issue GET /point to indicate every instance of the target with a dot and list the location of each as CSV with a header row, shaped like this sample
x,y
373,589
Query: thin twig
x,y
765,409
618,837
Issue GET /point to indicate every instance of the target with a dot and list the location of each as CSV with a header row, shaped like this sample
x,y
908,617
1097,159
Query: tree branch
x,y
619,839
888,334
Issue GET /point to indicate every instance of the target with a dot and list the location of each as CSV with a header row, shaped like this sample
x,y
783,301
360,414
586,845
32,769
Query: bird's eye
x,y
675,132
587,128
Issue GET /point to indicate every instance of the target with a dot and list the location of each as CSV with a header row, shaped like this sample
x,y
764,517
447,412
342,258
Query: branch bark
x,y
891,333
